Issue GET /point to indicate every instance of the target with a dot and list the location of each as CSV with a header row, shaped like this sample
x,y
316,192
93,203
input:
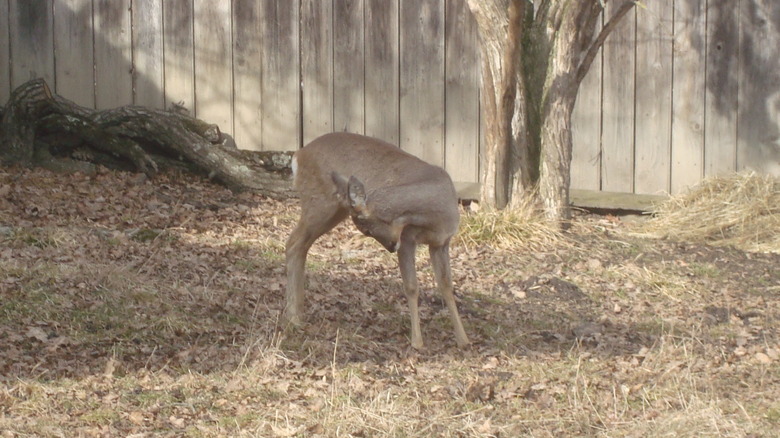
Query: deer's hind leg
x,y
440,259
317,218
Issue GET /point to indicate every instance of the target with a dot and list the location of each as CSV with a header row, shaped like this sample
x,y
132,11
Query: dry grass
x,y
513,229
740,210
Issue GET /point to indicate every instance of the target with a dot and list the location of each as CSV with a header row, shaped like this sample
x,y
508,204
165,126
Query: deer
x,y
391,196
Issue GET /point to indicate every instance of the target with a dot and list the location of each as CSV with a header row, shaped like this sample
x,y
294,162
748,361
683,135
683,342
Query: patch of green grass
x,y
144,296
707,270
92,308
274,255
620,247
504,338
35,294
241,244
149,398
237,422
101,416
228,319
145,235
254,264
771,413
478,300
37,241
383,307
543,323
657,326
47,237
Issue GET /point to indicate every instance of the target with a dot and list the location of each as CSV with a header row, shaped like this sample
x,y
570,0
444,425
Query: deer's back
x,y
375,162
396,178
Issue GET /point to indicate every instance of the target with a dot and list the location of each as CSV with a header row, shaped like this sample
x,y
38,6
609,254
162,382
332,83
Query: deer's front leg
x,y
409,276
315,221
295,254
440,259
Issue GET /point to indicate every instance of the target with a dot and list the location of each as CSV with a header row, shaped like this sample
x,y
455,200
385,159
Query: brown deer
x,y
392,196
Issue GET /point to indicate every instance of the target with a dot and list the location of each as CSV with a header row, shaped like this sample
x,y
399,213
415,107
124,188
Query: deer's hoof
x,y
293,319
463,342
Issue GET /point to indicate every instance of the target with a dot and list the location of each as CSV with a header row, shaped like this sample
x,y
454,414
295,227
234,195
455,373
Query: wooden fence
x,y
682,90
686,89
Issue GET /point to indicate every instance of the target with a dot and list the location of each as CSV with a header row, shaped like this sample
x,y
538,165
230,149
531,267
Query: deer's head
x,y
362,210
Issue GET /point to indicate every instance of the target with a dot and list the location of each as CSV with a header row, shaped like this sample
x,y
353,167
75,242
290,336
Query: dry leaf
x,y
284,431
136,417
763,358
176,422
37,333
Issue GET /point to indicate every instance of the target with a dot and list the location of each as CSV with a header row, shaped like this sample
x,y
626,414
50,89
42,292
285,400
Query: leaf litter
x,y
152,308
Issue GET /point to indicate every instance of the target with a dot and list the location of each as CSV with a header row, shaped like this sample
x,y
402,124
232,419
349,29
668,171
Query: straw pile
x,y
740,210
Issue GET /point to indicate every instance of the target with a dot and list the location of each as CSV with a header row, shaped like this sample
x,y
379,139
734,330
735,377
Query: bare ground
x,y
138,308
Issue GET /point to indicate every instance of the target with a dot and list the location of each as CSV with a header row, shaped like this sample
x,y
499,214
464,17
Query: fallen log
x,y
38,128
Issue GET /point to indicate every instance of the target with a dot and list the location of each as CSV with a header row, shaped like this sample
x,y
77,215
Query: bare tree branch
x,y
623,9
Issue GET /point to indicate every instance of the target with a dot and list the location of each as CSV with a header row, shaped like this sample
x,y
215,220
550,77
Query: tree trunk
x,y
503,100
534,57
556,141
38,128
564,32
570,30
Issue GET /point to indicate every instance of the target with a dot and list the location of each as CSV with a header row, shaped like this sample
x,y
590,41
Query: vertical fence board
x,y
688,95
148,65
653,98
31,48
213,55
482,146
461,110
586,129
316,68
348,66
113,55
178,52
5,53
73,48
720,110
422,79
618,133
247,74
281,75
758,146
382,61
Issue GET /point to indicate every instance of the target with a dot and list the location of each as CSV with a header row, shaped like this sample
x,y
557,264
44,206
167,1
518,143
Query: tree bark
x,y
38,128
566,27
555,174
26,104
503,100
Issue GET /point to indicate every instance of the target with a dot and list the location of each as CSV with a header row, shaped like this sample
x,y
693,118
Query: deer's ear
x,y
357,196
351,193
342,187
